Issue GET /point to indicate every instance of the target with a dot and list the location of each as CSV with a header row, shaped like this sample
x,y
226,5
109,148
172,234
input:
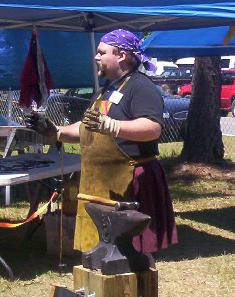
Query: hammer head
x,y
126,206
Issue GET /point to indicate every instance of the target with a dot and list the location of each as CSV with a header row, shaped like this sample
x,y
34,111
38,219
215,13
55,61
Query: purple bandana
x,y
128,41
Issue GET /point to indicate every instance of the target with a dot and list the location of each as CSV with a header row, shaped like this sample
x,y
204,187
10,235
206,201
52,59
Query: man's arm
x,y
141,129
70,133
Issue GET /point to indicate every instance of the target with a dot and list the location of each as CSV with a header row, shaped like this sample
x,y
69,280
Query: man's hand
x,y
44,126
98,122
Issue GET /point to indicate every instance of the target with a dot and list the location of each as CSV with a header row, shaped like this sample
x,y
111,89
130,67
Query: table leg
x,y
7,195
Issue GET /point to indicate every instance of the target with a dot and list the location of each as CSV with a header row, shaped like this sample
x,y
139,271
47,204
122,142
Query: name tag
x,y
115,97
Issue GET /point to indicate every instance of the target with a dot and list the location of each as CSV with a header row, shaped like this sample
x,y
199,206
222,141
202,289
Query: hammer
x,y
101,200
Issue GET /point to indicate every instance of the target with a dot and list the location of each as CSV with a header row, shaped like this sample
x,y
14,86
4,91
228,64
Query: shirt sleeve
x,y
147,102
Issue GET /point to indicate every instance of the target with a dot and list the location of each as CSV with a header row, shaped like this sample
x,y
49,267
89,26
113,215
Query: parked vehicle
x,y
69,107
227,96
175,115
171,79
227,62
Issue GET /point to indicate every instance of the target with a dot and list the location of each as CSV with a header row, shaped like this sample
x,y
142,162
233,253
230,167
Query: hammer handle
x,y
96,199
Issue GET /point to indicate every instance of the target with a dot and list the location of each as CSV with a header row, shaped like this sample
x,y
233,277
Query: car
x,y
172,78
227,95
233,108
68,108
175,117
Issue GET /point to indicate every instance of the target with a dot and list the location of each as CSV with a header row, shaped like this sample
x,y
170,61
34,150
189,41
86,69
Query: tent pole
x,y
94,67
9,104
9,139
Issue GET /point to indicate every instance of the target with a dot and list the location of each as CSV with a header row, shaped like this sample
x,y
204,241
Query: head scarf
x,y
126,40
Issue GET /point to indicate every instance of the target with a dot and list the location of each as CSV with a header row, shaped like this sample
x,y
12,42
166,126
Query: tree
x,y
203,140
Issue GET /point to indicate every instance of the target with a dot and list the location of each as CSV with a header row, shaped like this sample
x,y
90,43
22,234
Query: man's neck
x,y
120,77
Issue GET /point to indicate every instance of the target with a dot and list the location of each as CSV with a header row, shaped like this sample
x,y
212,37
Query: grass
x,y
202,264
173,149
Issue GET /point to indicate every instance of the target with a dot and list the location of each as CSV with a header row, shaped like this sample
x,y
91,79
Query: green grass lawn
x,y
201,264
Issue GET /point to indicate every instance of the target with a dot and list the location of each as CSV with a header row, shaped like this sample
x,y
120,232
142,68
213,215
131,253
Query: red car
x,y
227,97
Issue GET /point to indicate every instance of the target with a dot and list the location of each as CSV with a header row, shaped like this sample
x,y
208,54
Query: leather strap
x,y
142,161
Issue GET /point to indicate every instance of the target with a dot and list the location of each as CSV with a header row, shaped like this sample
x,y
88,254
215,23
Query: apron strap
x,y
142,161
108,104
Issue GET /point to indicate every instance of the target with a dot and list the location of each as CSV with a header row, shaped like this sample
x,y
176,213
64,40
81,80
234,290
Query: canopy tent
x,y
97,16
189,43
103,15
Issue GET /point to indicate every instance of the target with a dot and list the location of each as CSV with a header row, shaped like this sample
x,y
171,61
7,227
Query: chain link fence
x,y
66,109
60,109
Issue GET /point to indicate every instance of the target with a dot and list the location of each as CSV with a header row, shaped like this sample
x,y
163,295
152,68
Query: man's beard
x,y
101,70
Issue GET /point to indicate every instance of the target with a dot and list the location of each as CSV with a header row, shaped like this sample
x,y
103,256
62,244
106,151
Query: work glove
x,y
43,125
95,121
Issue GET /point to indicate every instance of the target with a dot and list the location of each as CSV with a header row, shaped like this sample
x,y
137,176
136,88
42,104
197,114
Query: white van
x,y
160,65
227,62
185,61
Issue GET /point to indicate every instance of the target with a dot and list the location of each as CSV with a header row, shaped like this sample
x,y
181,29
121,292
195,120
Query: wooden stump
x,y
141,284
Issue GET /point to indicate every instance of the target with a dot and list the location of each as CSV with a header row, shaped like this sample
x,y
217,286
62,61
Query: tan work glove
x,y
95,121
43,125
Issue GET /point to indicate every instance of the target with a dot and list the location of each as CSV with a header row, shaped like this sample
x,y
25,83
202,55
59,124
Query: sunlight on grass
x,y
229,147
201,189
173,149
170,150
210,277
14,212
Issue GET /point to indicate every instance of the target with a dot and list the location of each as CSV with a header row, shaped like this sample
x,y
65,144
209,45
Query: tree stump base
x,y
140,284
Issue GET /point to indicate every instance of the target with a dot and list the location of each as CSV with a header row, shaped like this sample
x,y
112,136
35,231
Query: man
x,y
118,138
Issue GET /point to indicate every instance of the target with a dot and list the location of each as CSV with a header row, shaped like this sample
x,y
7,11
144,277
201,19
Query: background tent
x,y
68,55
187,43
99,16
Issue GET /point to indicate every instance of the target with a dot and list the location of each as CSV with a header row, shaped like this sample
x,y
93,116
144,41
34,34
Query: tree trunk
x,y
203,142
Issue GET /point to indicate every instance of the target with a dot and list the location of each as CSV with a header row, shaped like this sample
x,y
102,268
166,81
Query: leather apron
x,y
105,171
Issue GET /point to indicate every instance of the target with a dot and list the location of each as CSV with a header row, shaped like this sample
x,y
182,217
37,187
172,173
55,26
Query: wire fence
x,y
66,109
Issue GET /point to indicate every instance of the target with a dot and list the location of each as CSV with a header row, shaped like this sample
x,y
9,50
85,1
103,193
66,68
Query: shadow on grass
x,y
222,218
193,244
28,258
179,170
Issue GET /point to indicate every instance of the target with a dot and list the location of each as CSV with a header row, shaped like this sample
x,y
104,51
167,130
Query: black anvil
x,y
115,253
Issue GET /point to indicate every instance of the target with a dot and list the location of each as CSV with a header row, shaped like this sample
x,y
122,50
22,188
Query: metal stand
x,y
7,268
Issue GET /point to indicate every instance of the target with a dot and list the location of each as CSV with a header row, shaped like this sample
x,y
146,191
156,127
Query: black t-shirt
x,y
140,99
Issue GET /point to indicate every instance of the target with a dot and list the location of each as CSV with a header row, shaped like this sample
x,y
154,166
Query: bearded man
x,y
119,143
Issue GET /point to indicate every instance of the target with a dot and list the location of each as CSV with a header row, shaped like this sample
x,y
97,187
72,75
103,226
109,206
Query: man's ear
x,y
122,55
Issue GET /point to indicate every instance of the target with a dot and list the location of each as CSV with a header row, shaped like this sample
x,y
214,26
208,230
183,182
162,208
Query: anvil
x,y
115,253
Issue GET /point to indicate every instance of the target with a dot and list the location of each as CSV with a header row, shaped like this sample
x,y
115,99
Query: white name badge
x,y
115,97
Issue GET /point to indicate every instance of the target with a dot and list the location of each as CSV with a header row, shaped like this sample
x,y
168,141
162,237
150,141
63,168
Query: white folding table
x,y
31,167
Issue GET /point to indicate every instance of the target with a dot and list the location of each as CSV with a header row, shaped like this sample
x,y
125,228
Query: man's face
x,y
107,60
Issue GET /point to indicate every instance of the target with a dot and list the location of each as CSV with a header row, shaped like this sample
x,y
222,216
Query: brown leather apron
x,y
105,171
